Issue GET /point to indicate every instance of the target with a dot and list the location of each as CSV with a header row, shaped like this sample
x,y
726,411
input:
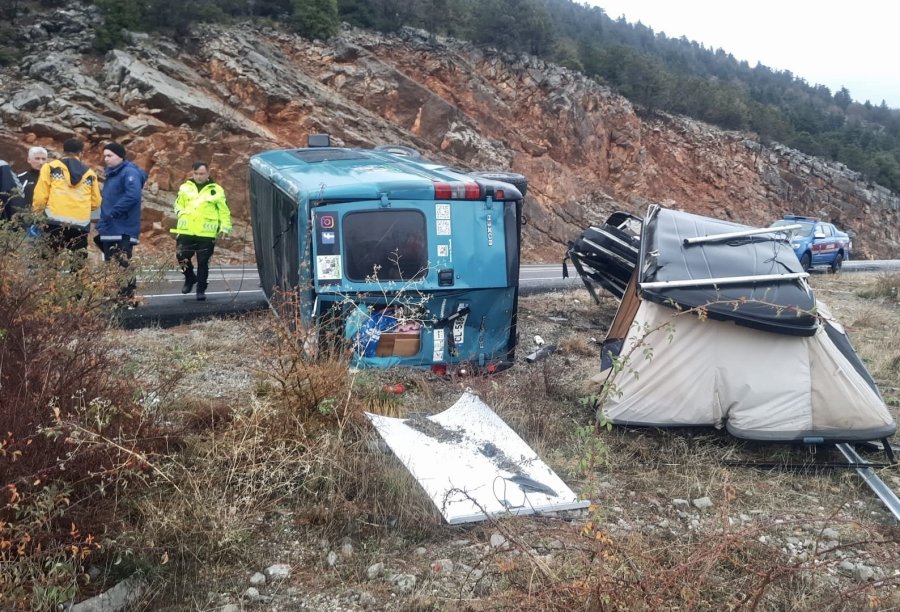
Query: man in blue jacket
x,y
119,226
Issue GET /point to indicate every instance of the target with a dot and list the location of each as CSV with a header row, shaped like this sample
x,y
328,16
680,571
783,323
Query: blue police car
x,y
816,242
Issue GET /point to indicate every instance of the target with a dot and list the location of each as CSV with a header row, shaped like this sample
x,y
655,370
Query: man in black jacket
x,y
37,157
21,201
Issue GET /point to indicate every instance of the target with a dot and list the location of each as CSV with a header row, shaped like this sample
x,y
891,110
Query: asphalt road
x,y
234,290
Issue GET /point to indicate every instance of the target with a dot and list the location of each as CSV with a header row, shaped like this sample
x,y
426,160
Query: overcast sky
x,y
851,44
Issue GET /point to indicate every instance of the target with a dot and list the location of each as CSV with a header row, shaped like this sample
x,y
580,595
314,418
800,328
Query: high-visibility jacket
x,y
67,191
201,210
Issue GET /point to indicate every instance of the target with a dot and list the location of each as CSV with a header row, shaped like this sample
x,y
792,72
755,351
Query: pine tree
x,y
118,16
843,99
315,18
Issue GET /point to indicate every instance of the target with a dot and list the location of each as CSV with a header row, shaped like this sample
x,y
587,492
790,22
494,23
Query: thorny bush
x,y
309,368
68,425
298,439
321,401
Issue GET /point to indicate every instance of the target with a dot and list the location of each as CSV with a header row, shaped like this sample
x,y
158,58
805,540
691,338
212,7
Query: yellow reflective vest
x,y
201,210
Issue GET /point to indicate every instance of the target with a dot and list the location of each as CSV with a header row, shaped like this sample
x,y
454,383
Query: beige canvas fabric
x,y
680,370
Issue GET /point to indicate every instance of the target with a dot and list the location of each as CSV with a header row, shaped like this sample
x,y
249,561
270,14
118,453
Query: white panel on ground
x,y
473,465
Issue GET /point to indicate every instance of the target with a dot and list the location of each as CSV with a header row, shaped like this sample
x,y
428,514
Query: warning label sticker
x,y
438,352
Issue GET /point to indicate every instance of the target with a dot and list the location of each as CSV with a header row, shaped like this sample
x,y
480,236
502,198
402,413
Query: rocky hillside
x,y
230,92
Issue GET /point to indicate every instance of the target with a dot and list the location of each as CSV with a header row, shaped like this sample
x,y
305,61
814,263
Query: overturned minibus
x,y
413,263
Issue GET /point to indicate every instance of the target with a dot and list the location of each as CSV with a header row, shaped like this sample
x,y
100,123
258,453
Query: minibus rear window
x,y
387,245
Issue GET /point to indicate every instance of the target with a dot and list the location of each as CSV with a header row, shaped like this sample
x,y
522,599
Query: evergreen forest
x,y
655,72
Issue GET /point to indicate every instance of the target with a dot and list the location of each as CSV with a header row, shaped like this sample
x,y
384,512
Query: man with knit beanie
x,y
67,191
119,226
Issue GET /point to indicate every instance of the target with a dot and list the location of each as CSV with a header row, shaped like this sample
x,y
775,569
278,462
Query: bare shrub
x,y
323,402
300,441
309,365
720,565
577,344
871,317
71,430
884,286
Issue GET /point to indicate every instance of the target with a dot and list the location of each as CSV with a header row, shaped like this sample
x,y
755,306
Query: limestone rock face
x,y
228,93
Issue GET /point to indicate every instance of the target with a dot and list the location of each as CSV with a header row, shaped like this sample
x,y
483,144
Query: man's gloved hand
x,y
222,233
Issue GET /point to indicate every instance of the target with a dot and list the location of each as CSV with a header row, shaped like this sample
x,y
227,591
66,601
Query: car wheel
x,y
837,263
399,150
516,180
806,262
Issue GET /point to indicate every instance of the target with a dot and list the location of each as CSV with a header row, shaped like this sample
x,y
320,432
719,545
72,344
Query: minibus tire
x,y
399,150
516,180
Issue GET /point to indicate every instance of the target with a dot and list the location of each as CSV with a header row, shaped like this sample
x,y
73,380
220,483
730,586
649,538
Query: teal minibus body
x,y
414,263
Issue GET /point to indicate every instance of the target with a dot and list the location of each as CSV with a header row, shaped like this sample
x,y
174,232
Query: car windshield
x,y
805,229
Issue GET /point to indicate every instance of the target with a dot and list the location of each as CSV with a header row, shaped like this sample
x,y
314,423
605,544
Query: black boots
x,y
201,294
188,284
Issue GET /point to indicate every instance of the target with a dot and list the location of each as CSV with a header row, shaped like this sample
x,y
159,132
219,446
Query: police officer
x,y
202,215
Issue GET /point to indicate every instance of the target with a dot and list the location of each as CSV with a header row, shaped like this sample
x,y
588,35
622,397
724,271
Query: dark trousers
x,y
120,251
64,236
187,247
74,238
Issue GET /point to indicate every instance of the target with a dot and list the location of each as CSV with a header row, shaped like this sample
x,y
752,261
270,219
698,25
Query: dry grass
x,y
278,434
273,471
884,286
872,318
577,345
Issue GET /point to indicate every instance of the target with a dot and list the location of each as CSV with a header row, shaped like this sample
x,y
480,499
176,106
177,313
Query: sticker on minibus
x,y
328,267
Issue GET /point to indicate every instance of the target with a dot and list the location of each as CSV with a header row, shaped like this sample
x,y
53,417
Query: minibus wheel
x,y
517,180
399,150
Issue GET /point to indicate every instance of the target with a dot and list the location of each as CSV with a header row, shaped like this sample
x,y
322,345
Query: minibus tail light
x,y
456,190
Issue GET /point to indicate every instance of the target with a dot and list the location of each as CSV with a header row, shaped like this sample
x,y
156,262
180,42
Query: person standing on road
x,y
119,226
202,215
10,191
67,191
37,157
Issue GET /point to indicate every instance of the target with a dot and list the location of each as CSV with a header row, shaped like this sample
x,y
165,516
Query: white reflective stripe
x,y
725,280
741,234
105,238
